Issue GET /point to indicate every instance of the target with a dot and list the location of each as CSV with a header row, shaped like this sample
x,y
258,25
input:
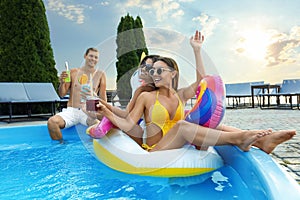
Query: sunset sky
x,y
245,40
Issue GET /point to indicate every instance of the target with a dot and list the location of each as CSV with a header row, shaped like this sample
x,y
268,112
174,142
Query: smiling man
x,y
85,77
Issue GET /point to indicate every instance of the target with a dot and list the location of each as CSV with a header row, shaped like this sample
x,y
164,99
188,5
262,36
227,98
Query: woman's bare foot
x,y
270,142
248,138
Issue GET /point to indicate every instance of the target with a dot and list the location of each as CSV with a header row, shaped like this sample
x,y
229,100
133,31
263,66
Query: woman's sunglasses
x,y
158,71
147,67
144,68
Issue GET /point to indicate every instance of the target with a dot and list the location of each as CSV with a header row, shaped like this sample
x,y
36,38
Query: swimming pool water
x,y
34,167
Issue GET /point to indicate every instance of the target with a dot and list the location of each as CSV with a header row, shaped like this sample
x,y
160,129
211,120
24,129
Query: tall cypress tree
x,y
139,37
130,45
126,54
26,54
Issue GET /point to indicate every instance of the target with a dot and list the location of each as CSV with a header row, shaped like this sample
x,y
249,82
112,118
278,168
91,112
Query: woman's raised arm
x,y
196,42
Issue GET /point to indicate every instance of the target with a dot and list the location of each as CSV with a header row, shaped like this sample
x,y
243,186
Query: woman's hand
x,y
196,41
102,109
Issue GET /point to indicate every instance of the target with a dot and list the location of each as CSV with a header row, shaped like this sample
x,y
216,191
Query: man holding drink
x,y
81,83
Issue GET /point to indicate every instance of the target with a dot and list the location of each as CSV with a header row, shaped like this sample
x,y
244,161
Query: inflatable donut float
x,y
118,151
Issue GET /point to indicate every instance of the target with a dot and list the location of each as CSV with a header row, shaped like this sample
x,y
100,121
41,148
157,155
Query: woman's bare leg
x,y
184,132
268,143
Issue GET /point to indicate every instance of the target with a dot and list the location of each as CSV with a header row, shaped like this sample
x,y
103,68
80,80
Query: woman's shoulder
x,y
147,95
145,88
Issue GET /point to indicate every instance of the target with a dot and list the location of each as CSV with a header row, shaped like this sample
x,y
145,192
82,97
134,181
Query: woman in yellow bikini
x,y
163,111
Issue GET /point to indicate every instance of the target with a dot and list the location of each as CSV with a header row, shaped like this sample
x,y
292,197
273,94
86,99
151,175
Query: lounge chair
x,y
13,93
42,93
289,88
238,91
111,94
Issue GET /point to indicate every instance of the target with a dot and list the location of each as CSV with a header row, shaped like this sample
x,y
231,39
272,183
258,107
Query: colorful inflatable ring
x,y
209,108
118,151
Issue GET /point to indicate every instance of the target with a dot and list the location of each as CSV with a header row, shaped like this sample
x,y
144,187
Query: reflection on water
x,y
219,179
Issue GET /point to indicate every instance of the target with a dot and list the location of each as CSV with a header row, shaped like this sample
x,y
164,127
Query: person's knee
x,y
55,121
182,124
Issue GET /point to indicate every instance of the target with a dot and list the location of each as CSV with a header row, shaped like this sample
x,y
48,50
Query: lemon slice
x,y
83,79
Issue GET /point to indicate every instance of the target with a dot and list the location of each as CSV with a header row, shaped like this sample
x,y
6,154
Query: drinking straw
x,y
67,66
91,85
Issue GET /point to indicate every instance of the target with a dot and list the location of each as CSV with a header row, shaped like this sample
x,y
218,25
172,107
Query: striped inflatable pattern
x,y
209,108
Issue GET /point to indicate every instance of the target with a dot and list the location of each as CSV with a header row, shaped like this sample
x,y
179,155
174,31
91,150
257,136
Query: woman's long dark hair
x,y
152,57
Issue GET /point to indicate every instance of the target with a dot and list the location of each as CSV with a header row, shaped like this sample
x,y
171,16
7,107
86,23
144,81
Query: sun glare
x,y
254,43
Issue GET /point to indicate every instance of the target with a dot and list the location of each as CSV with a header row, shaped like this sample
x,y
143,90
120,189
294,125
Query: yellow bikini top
x,y
161,117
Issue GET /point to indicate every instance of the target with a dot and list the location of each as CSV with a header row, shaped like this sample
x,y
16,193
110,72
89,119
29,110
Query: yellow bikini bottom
x,y
147,147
